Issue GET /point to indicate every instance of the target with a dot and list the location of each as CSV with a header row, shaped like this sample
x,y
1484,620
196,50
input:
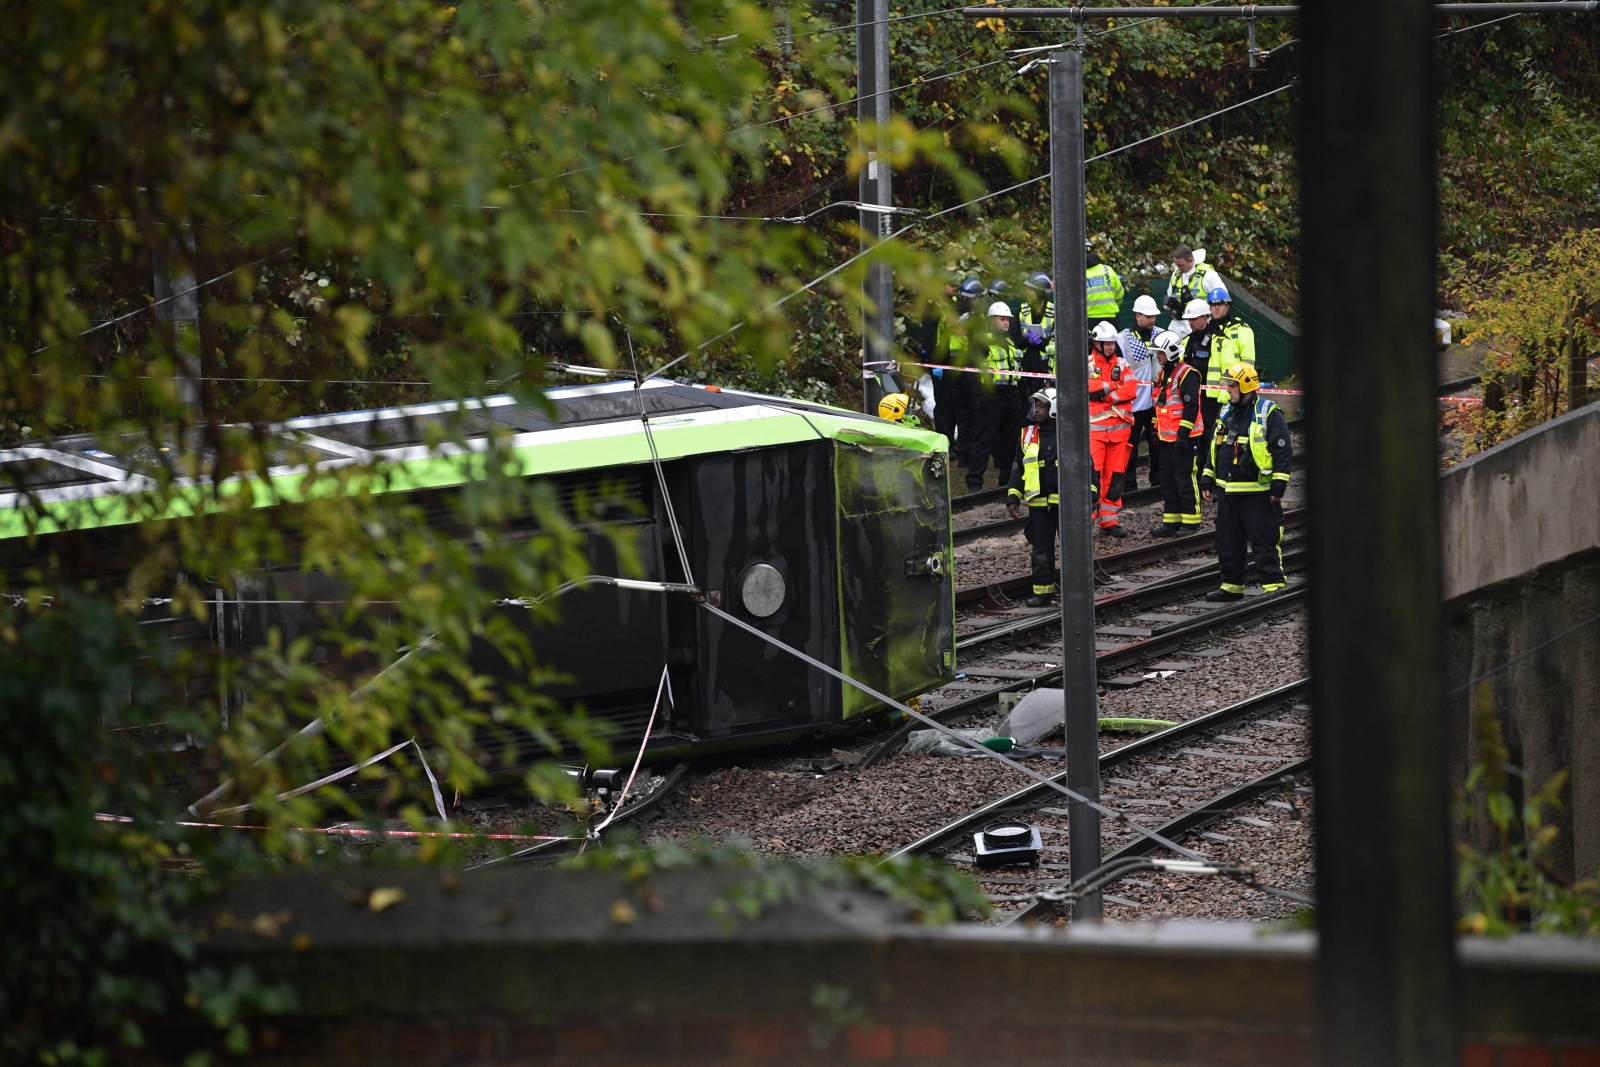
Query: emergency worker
x,y
935,348
1232,341
898,407
1197,353
1035,482
965,394
1192,278
1247,471
1135,345
1112,388
1180,428
1038,319
1000,405
1105,292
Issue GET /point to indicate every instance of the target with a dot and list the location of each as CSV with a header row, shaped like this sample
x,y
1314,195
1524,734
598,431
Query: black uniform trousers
x,y
966,397
944,403
1180,483
995,432
1041,530
1253,520
1209,406
1144,429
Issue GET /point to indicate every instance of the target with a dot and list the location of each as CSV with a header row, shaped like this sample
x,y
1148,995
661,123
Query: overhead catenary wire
x,y
813,283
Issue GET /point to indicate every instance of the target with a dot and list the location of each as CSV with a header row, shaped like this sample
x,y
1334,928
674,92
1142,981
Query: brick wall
x,y
528,967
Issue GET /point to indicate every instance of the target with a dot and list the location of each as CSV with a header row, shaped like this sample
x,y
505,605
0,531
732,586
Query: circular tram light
x,y
762,590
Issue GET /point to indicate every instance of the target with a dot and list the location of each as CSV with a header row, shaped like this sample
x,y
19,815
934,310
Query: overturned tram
x,y
825,529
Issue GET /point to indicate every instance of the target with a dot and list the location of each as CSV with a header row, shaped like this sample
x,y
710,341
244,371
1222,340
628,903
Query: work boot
x,y
1222,596
1166,531
1039,601
1113,531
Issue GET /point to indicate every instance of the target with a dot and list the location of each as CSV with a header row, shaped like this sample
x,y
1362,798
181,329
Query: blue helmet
x,y
972,287
1039,280
997,287
1219,295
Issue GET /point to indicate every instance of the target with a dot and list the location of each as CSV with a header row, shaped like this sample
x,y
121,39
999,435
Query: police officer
x,y
1247,471
1180,428
1000,405
1135,345
1105,292
1192,278
935,348
1037,317
965,394
1035,482
1232,341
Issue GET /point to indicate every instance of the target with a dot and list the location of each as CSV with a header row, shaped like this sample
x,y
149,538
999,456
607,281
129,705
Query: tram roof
x,y
85,482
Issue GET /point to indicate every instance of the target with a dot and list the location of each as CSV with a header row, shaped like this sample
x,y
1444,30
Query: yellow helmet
x,y
893,407
1243,375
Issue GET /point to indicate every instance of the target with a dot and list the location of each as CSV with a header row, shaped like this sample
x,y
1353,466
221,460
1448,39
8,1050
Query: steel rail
x,y
1187,823
1114,561
1269,604
1137,498
1032,796
1196,580
1078,13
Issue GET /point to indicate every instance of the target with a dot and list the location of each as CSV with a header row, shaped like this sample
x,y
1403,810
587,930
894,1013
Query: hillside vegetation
x,y
1519,156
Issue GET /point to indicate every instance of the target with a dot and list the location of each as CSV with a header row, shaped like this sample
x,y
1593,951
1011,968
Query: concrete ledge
x,y
1528,504
532,966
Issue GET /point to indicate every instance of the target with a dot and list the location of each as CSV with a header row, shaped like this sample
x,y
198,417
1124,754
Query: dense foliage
x,y
398,193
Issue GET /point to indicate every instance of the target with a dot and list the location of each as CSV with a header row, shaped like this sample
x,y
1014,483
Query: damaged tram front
x,y
827,530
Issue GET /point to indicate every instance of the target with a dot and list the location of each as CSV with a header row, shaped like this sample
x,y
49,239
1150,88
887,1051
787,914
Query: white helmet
x,y
1146,305
1104,331
1048,395
1000,307
1197,309
1168,344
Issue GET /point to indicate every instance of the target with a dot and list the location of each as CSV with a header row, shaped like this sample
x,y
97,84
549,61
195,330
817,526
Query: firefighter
x,y
999,404
1247,471
1105,292
1035,483
965,395
1192,278
897,407
1135,344
1112,388
1232,341
1180,428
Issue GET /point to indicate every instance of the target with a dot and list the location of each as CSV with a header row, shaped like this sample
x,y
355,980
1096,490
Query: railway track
x,y
1170,746
1002,527
1171,637
1192,821
1034,796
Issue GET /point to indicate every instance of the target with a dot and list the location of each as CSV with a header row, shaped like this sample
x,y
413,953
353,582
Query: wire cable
x,y
813,283
1523,655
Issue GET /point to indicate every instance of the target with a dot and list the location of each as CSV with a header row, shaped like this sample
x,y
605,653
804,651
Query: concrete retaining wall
x,y
522,966
1521,550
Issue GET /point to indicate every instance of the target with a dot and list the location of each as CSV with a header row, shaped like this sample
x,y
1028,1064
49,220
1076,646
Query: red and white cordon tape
x,y
1052,377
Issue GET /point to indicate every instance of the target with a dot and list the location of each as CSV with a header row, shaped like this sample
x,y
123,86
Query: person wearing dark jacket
x,y
1179,428
1035,482
1197,353
1247,471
